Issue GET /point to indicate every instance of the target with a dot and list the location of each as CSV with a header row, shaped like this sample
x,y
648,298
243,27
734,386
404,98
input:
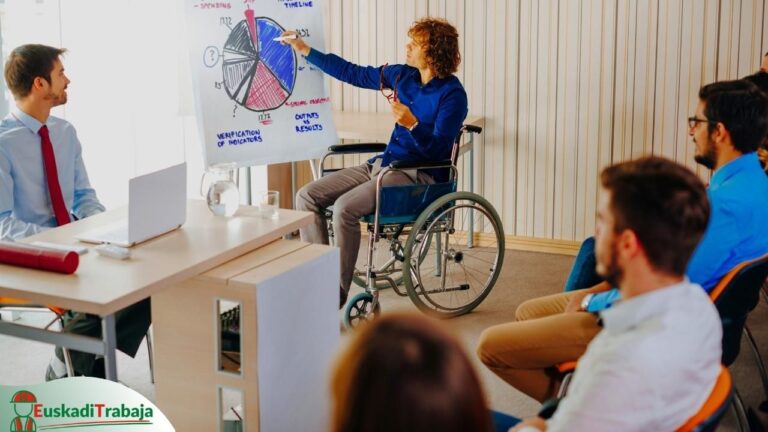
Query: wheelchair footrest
x,y
462,287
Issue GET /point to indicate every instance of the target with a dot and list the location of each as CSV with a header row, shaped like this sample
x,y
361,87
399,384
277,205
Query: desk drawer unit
x,y
287,294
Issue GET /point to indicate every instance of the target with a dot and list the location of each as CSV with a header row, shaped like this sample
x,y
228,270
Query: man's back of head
x,y
654,209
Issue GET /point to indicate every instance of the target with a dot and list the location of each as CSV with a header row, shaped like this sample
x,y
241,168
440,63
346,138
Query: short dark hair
x,y
406,372
440,41
759,79
741,107
28,62
664,204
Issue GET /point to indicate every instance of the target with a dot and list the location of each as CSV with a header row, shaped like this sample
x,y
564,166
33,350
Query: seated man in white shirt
x,y
44,184
657,357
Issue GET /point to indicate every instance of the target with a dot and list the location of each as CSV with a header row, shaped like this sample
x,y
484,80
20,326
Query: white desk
x,y
102,286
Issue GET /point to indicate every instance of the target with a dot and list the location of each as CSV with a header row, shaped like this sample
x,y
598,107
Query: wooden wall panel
x,y
566,87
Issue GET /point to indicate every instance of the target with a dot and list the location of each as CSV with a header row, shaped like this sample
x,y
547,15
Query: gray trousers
x,y
352,192
132,324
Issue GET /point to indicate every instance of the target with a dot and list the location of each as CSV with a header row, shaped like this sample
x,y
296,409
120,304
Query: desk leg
x,y
248,194
471,236
110,346
313,165
293,183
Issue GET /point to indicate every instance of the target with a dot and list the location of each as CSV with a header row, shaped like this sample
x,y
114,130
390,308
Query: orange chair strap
x,y
717,397
15,301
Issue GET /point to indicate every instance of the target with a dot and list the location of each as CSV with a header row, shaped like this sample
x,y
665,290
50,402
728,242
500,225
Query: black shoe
x,y
99,369
230,330
342,297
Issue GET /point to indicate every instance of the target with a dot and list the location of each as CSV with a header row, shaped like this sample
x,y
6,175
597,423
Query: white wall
x,y
566,86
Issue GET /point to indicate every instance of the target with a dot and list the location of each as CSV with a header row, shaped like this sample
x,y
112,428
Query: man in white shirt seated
x,y
657,357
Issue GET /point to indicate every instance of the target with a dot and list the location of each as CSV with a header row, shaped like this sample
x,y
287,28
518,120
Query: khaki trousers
x,y
352,192
523,352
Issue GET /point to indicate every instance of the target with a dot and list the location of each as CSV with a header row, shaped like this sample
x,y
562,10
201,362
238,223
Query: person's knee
x,y
346,210
304,200
486,348
526,310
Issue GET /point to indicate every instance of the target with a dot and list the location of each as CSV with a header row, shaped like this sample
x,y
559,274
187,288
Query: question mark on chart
x,y
211,56
233,110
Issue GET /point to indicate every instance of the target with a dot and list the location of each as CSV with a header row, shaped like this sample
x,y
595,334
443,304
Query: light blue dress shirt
x,y
25,204
738,194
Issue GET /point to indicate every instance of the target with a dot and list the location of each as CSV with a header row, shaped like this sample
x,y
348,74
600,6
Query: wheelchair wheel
x,y
358,310
451,278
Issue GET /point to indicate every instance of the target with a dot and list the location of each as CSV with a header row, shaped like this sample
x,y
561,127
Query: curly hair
x,y
440,41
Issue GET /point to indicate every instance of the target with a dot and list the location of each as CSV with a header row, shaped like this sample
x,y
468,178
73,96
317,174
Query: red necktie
x,y
52,175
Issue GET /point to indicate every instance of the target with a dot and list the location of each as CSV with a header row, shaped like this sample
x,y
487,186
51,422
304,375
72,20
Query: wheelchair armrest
x,y
357,148
548,408
420,165
473,128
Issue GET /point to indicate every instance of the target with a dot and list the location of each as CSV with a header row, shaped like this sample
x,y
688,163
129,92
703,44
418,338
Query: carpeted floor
x,y
525,275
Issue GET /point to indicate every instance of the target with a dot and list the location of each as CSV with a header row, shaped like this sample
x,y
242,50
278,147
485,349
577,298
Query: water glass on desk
x,y
268,203
218,187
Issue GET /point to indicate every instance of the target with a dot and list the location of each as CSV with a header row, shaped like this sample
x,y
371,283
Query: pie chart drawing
x,y
259,73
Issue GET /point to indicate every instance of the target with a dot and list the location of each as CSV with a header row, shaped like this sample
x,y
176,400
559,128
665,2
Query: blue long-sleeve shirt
x,y
440,107
738,194
25,204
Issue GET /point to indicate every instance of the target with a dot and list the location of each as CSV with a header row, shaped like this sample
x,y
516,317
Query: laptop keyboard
x,y
114,233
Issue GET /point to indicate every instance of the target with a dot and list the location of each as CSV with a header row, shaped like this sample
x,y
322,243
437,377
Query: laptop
x,y
157,204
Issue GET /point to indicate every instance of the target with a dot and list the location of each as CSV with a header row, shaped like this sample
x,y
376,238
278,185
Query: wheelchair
x,y
442,248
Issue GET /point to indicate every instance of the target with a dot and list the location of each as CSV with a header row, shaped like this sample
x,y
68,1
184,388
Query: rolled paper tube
x,y
24,255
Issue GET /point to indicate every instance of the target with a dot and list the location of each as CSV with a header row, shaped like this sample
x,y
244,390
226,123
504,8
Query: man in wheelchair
x,y
429,105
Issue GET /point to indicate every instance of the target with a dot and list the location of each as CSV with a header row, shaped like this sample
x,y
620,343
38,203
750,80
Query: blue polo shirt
x,y
738,197
440,106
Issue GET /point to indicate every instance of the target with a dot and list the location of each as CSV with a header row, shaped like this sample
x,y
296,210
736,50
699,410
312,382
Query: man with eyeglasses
x,y
428,104
730,123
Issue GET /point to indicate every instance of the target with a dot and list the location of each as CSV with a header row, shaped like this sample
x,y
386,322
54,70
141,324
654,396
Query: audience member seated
x,y
406,373
760,79
658,356
583,273
44,184
730,123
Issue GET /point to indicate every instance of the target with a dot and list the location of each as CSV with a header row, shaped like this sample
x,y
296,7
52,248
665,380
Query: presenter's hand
x,y
403,115
297,44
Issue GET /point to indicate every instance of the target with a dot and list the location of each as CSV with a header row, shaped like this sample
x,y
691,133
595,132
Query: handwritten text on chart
x,y
307,102
238,137
213,5
307,122
293,4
